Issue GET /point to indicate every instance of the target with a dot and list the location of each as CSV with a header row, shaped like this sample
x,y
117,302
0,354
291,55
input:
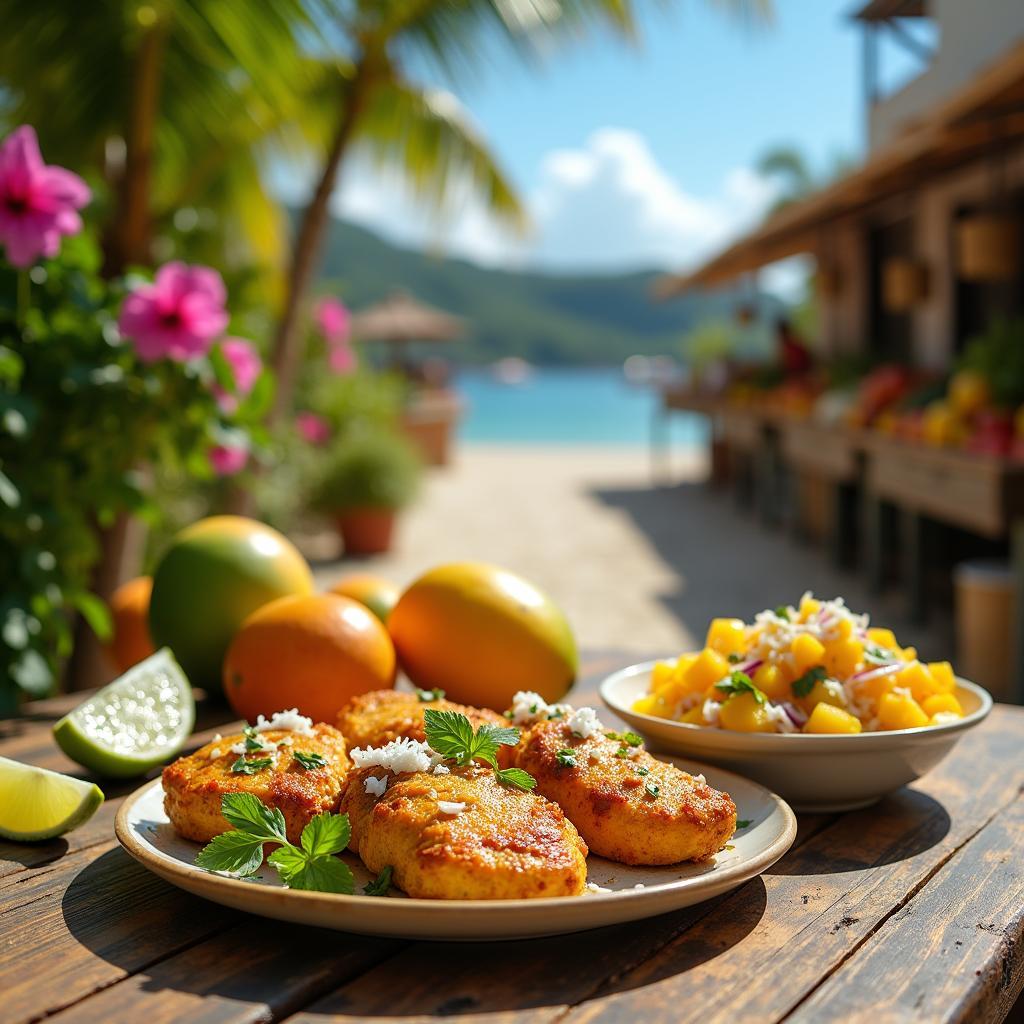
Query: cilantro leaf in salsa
x,y
802,687
740,682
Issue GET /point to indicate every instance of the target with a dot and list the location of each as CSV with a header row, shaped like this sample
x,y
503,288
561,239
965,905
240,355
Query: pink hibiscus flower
x,y
178,316
312,428
333,320
38,202
228,459
342,360
246,367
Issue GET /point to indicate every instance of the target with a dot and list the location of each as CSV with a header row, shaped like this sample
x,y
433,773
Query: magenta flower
x,y
38,203
178,316
246,367
312,428
333,320
342,360
228,459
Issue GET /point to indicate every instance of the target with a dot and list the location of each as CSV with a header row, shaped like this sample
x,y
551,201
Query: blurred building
x,y
922,246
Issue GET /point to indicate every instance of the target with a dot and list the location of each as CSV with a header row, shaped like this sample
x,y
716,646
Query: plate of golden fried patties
x,y
610,833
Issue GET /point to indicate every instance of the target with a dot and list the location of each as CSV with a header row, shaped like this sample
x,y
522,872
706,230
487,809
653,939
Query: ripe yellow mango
x,y
742,713
695,716
941,702
874,688
773,682
883,637
942,676
708,668
807,652
820,694
828,719
843,657
897,711
916,678
808,607
726,636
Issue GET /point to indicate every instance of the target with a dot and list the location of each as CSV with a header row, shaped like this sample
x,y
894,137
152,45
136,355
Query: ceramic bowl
x,y
814,773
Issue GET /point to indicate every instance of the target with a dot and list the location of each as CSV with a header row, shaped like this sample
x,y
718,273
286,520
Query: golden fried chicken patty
x,y
375,719
627,805
463,835
194,785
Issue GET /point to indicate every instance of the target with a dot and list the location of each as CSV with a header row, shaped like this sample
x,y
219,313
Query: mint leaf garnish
x,y
802,687
740,682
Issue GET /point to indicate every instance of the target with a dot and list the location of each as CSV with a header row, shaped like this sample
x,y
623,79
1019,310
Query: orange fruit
x,y
481,633
378,594
130,641
214,574
312,652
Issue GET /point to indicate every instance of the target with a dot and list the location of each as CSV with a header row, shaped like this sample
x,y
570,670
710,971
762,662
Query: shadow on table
x,y
901,826
173,943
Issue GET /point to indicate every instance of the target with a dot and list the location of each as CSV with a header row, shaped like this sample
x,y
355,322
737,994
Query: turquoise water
x,y
593,406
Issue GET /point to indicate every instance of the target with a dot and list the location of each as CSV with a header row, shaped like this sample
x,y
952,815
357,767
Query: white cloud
x,y
606,205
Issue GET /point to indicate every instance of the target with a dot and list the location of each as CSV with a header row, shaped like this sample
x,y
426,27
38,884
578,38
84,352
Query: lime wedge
x,y
134,723
36,803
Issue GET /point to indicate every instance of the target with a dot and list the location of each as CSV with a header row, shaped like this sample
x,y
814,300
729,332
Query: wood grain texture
x,y
917,902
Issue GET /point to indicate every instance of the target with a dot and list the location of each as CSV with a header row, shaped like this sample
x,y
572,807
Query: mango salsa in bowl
x,y
813,668
810,700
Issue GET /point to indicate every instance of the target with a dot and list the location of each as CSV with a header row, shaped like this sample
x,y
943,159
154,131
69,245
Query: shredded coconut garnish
x,y
290,720
710,711
442,769
215,752
584,723
777,715
594,887
404,755
374,786
529,707
452,807
639,885
700,780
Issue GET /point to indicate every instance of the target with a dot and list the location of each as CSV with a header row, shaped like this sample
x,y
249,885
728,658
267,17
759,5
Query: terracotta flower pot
x,y
366,531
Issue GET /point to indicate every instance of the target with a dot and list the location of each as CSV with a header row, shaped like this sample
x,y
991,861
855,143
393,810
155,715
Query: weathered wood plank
x,y
78,926
953,953
258,970
824,900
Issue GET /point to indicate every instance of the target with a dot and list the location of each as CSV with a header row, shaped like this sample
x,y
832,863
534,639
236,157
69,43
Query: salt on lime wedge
x,y
36,803
134,723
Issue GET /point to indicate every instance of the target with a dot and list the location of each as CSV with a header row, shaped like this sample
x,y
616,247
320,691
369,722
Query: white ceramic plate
x,y
144,831
815,773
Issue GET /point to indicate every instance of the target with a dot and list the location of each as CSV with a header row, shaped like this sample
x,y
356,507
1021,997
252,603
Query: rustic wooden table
x,y
910,910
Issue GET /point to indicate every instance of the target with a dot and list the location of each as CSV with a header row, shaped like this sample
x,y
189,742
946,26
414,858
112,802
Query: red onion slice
x,y
882,670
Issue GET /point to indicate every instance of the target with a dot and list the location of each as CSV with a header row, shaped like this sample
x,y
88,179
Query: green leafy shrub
x,y
998,355
367,468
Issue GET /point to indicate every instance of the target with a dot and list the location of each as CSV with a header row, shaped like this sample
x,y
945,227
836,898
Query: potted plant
x,y
367,477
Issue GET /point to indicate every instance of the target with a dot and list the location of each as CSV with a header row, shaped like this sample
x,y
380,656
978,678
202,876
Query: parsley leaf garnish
x,y
451,735
426,696
802,687
380,885
309,866
566,757
652,789
243,767
782,612
743,823
515,777
308,760
628,739
740,682
253,740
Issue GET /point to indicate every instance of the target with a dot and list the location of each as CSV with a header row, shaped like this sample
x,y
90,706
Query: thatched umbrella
x,y
401,318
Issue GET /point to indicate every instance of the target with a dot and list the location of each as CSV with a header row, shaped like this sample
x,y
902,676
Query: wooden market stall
x,y
917,251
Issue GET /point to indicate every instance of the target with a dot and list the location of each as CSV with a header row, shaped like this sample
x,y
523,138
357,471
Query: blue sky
x,y
640,155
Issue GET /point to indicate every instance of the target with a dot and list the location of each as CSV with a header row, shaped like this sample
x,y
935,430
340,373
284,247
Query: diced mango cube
x,y
808,607
842,657
874,688
916,678
695,716
773,682
807,652
727,636
908,653
943,676
708,668
897,711
822,694
845,628
655,704
661,674
883,638
742,713
941,702
826,718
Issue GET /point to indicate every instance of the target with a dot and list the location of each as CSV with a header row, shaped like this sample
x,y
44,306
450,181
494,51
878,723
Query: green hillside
x,y
549,319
